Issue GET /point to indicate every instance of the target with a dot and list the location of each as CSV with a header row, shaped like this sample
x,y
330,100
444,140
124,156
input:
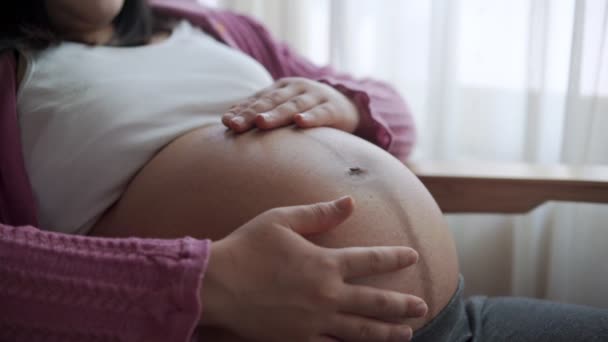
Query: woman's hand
x,y
266,282
305,102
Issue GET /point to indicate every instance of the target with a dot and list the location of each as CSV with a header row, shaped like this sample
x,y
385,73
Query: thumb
x,y
318,217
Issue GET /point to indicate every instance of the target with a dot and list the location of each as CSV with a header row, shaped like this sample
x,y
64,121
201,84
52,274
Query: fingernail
x,y
228,116
343,203
414,257
407,333
420,309
266,116
305,116
238,120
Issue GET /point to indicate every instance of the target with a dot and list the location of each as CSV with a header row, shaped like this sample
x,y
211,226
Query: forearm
x,y
72,288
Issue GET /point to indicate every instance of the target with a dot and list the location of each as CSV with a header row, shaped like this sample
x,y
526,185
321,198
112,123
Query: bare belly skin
x,y
208,182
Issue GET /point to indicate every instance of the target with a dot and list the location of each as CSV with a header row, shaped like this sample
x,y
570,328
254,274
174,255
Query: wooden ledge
x,y
484,187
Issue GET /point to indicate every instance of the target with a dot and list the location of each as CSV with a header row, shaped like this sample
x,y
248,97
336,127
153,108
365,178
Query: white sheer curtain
x,y
503,80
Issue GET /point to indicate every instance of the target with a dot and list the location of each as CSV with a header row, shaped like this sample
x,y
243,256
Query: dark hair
x,y
25,24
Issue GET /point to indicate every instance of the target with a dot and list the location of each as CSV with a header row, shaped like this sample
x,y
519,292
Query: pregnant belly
x,y
210,181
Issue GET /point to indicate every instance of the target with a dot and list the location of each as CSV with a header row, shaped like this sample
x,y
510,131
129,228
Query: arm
x,y
56,287
72,288
16,197
385,118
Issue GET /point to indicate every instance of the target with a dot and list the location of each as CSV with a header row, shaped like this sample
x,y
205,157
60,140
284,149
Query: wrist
x,y
213,289
354,116
357,119
347,108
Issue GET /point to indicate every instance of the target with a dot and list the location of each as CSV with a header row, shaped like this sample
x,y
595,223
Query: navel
x,y
356,171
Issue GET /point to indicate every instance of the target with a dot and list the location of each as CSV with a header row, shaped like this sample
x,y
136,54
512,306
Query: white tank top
x,y
91,117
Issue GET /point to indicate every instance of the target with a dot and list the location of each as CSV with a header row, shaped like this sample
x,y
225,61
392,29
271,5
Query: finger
x,y
258,102
358,262
226,118
284,114
320,115
273,98
231,113
243,121
382,304
360,329
318,217
262,104
253,101
235,110
247,110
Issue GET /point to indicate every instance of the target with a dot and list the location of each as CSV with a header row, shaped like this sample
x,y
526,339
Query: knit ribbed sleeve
x,y
56,287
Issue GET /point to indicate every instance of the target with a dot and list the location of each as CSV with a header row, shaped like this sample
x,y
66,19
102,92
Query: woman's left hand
x,y
305,102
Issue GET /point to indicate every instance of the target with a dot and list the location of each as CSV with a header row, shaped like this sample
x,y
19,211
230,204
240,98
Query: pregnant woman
x,y
129,117
196,126
151,127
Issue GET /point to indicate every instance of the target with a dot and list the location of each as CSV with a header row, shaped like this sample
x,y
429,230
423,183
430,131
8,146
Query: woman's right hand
x,y
266,282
